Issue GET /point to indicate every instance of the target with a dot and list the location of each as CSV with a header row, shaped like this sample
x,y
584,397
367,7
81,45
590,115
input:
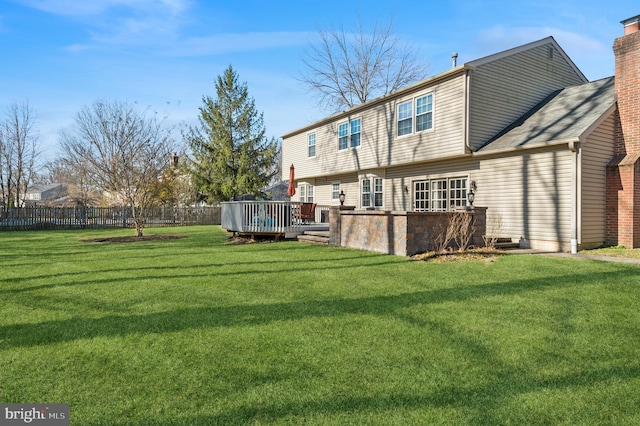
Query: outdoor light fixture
x,y
471,195
341,198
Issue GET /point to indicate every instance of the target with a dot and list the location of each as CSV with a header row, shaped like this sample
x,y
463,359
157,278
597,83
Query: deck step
x,y
319,237
325,234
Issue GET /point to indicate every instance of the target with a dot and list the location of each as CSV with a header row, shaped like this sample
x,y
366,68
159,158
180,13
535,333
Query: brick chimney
x,y
623,171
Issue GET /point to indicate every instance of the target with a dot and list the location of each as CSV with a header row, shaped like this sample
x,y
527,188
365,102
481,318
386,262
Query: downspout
x,y
467,103
574,146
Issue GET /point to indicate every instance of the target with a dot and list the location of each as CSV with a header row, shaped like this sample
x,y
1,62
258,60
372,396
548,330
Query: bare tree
x,y
122,151
18,153
80,190
346,69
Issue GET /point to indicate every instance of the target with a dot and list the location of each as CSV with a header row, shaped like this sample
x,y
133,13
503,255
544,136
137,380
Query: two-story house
x,y
522,129
54,193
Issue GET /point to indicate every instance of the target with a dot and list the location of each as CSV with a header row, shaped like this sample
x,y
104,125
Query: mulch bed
x,y
483,254
247,240
133,239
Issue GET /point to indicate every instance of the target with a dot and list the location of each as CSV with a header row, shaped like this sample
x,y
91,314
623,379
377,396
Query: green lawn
x,y
616,251
194,331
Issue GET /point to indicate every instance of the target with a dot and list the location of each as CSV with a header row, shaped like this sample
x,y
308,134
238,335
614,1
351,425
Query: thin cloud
x,y
583,50
79,8
238,42
500,38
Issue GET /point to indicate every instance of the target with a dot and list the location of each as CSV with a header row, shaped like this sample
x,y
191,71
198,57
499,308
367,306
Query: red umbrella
x,y
291,190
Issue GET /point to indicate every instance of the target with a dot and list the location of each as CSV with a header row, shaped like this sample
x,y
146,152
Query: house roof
x,y
468,66
567,115
40,188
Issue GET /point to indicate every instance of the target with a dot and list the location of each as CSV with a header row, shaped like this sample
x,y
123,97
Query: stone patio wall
x,y
400,233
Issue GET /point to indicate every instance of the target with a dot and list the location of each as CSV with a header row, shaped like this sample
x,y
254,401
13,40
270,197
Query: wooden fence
x,y
28,218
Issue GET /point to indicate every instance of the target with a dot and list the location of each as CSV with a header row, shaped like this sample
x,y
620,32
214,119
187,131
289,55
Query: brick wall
x,y
627,51
623,171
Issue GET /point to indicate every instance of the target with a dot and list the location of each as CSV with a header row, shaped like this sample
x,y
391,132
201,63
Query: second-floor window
x,y
405,118
311,145
424,113
349,134
423,117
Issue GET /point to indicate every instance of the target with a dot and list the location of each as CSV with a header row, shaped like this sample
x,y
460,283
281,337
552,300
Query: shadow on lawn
x,y
215,269
483,404
50,332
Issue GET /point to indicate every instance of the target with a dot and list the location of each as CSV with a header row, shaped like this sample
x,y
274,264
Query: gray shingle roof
x,y
564,115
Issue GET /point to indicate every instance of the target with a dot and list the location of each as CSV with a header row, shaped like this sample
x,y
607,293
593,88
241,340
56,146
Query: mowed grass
x,y
194,331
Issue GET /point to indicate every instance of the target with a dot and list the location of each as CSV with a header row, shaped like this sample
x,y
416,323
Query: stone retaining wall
x,y
399,233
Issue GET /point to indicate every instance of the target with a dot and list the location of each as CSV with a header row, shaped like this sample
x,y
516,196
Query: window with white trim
x,y
311,145
349,134
355,133
309,193
372,191
366,193
306,192
424,113
438,195
405,118
421,196
457,192
335,191
343,136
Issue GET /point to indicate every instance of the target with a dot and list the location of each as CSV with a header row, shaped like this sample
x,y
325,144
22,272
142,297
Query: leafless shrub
x,y
495,227
441,237
463,228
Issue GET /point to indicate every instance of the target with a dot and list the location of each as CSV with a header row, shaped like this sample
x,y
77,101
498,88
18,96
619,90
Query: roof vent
x,y
454,59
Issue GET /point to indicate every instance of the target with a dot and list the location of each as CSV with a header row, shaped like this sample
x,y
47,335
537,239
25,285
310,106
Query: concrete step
x,y
506,243
325,234
505,246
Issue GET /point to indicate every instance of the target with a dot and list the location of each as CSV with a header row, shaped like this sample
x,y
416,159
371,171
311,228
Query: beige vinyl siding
x,y
503,90
596,153
380,147
447,136
400,177
349,184
530,193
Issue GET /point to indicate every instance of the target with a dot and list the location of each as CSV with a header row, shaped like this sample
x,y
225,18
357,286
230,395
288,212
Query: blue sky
x,y
60,55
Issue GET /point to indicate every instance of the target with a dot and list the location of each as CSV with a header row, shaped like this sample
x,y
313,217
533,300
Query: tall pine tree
x,y
231,155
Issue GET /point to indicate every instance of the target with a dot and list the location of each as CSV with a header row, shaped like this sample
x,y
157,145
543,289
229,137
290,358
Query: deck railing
x,y
269,217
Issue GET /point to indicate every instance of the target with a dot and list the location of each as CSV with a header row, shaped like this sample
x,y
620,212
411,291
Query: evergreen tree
x,y
231,155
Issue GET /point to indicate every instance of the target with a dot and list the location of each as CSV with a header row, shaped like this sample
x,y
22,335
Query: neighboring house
x,y
524,128
277,191
54,193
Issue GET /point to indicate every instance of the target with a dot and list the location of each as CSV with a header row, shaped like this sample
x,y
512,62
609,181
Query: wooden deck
x,y
280,219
